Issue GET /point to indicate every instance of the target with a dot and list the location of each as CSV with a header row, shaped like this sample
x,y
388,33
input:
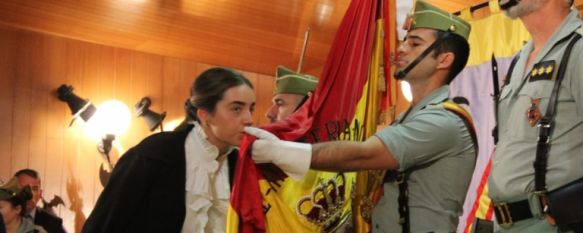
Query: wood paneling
x,y
252,35
246,34
36,132
128,49
8,42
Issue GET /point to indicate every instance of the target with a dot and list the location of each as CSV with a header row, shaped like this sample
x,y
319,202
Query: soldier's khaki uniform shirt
x,y
437,144
512,173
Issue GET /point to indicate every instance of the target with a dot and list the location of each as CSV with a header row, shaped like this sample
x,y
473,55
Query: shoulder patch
x,y
580,30
458,110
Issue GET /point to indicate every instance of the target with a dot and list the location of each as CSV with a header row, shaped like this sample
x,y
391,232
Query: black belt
x,y
508,213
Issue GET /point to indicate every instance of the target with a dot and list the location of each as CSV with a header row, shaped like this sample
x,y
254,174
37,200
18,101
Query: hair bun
x,y
190,110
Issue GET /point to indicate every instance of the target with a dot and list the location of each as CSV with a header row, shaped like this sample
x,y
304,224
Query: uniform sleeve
x,y
125,190
423,139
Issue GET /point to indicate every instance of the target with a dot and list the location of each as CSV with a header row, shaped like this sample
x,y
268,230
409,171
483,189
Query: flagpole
x,y
304,47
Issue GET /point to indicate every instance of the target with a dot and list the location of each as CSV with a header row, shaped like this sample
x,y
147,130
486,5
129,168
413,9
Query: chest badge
x,y
545,70
533,114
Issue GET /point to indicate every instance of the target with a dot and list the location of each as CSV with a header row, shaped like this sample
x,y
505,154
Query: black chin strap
x,y
508,4
402,73
301,103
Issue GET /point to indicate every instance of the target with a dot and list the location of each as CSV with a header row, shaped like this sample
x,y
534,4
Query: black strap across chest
x,y
496,95
546,123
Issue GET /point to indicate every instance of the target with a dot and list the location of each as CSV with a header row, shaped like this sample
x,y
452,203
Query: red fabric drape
x,y
328,111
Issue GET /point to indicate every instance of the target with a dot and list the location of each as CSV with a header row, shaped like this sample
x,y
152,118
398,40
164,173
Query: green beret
x,y
426,15
289,82
10,189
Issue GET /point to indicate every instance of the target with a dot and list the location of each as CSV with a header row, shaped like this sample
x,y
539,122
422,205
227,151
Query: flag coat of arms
x,y
343,107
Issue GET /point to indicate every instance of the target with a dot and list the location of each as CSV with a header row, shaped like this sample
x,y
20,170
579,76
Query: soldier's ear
x,y
445,60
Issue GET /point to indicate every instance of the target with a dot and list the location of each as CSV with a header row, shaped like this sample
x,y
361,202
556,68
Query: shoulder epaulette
x,y
456,108
466,117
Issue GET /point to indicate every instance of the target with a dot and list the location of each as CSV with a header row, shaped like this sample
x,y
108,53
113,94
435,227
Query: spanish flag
x,y
377,109
263,198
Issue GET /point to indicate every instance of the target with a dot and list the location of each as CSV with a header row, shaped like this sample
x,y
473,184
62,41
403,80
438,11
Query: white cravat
x,y
207,185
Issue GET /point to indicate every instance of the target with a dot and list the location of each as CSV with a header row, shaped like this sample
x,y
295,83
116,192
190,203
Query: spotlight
x,y
79,107
111,120
153,119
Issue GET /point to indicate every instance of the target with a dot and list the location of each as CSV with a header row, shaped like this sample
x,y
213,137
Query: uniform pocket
x,y
538,89
531,105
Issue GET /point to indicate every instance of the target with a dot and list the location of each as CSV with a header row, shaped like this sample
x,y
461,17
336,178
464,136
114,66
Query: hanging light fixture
x,y
104,147
79,107
153,119
112,120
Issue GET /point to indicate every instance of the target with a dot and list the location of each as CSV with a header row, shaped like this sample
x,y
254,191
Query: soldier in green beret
x,y
430,150
291,91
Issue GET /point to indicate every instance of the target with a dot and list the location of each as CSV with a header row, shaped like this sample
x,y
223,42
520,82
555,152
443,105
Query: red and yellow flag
x,y
344,104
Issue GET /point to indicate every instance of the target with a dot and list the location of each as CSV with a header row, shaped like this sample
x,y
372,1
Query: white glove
x,y
292,157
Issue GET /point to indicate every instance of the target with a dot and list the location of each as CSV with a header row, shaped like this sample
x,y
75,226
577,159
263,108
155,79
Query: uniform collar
x,y
436,97
569,24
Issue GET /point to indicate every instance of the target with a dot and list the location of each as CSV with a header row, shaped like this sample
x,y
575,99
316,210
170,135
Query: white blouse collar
x,y
207,183
203,160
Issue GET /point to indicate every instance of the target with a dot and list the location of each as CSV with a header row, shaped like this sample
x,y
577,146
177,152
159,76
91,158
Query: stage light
x,y
153,119
79,107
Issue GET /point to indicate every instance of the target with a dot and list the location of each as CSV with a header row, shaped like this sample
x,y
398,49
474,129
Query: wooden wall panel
x,y
123,87
8,43
21,105
53,167
253,35
36,130
178,76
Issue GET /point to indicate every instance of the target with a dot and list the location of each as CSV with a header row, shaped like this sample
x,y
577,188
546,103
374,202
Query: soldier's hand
x,y
292,157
